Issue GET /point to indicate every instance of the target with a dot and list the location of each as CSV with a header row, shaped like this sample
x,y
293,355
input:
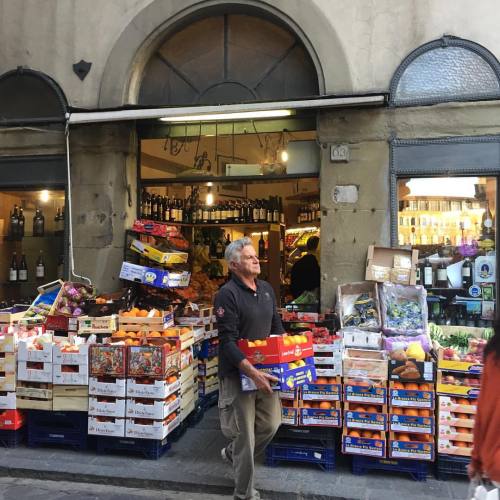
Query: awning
x,y
80,117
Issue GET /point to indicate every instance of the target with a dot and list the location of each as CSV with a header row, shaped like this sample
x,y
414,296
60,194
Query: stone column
x,y
103,181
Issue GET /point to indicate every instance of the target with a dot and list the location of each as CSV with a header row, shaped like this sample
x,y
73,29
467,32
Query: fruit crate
x,y
34,395
142,324
417,469
12,439
152,449
449,466
305,453
201,316
324,436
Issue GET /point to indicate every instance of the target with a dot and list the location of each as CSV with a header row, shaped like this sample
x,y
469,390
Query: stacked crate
x,y
365,403
458,385
188,366
107,390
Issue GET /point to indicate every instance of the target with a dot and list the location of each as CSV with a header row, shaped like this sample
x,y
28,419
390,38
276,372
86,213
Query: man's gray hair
x,y
233,250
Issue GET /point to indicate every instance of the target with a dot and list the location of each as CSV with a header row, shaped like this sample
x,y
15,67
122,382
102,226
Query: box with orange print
x,y
411,445
277,349
320,413
368,416
358,442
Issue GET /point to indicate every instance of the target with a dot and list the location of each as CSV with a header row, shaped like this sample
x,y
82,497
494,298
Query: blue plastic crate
x,y
326,436
55,437
418,469
12,439
293,452
208,349
209,400
451,465
179,431
60,420
195,416
150,448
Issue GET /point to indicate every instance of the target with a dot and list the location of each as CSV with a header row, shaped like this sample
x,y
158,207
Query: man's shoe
x,y
225,456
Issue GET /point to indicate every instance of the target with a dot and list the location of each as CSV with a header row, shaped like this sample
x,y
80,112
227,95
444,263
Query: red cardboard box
x,y
156,361
11,420
107,359
277,349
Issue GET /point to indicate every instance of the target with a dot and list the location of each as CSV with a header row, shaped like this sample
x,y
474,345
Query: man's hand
x,y
261,380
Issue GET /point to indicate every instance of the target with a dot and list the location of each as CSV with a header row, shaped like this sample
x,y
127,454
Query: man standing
x,y
305,274
246,309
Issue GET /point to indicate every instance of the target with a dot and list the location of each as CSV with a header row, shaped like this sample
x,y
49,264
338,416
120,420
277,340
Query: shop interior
x,y
223,181
451,221
32,238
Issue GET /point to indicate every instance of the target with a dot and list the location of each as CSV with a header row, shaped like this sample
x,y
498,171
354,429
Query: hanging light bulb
x,y
284,155
210,197
44,196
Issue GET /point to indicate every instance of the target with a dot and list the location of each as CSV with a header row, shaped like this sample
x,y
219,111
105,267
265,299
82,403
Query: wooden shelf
x,y
302,196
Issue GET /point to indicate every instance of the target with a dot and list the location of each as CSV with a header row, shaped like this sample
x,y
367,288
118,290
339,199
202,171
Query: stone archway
x,y
139,40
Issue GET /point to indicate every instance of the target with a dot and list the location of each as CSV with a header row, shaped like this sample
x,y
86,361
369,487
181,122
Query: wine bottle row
x,y
192,211
437,277
18,271
18,223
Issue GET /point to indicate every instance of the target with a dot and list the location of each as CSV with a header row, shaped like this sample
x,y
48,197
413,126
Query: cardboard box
x,y
153,228
362,339
7,382
78,376
448,447
289,416
288,378
107,406
452,389
76,357
375,421
364,363
153,429
337,346
100,324
151,408
328,358
458,366
321,392
411,399
106,359
447,403
415,450
453,419
329,370
390,258
155,361
426,370
365,394
364,446
106,426
11,420
8,342
35,371
7,362
61,323
451,434
154,277
106,386
414,425
186,358
27,352
156,255
319,417
148,388
8,401
290,395
278,349
346,295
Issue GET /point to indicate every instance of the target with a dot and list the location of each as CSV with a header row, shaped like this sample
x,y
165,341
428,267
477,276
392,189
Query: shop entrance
x,y
258,179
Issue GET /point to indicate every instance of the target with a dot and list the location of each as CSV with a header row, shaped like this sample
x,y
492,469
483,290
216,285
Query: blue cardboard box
x,y
411,449
363,446
288,378
412,399
322,392
289,416
154,277
365,420
416,425
365,394
321,417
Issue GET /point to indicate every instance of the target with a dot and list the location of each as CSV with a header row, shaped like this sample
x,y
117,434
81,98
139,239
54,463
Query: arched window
x,y
449,69
228,58
28,96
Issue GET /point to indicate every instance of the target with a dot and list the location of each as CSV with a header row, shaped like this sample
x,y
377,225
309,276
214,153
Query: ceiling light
x,y
210,197
44,196
284,155
240,115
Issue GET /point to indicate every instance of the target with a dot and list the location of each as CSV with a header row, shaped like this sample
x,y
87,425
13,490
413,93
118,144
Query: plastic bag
x,y
401,342
403,309
478,490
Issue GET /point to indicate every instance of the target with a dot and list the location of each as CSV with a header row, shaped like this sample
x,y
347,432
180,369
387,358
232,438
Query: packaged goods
x,y
358,306
363,363
108,359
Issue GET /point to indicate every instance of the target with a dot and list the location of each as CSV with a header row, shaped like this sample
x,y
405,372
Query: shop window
x,y
30,96
452,222
228,58
450,69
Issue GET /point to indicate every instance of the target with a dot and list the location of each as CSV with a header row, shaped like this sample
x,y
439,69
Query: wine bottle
x,y
219,249
428,274
38,223
262,247
14,224
22,273
442,276
13,269
467,280
21,222
40,267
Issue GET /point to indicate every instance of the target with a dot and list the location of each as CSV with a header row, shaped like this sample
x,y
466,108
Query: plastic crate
x,y
12,439
292,452
209,400
150,448
418,469
178,432
450,465
196,416
326,436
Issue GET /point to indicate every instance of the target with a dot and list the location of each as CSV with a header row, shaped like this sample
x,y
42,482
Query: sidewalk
x,y
193,464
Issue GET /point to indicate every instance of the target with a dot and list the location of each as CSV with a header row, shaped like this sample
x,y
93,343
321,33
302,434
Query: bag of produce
x,y
403,309
401,342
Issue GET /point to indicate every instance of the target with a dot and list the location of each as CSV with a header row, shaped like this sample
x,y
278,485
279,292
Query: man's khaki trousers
x,y
249,420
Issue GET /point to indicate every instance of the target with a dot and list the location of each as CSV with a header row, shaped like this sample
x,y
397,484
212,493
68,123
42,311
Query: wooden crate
x,y
127,324
199,317
101,324
34,396
9,318
70,398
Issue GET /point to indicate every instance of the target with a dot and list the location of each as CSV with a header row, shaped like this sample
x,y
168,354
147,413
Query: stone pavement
x,y
193,464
